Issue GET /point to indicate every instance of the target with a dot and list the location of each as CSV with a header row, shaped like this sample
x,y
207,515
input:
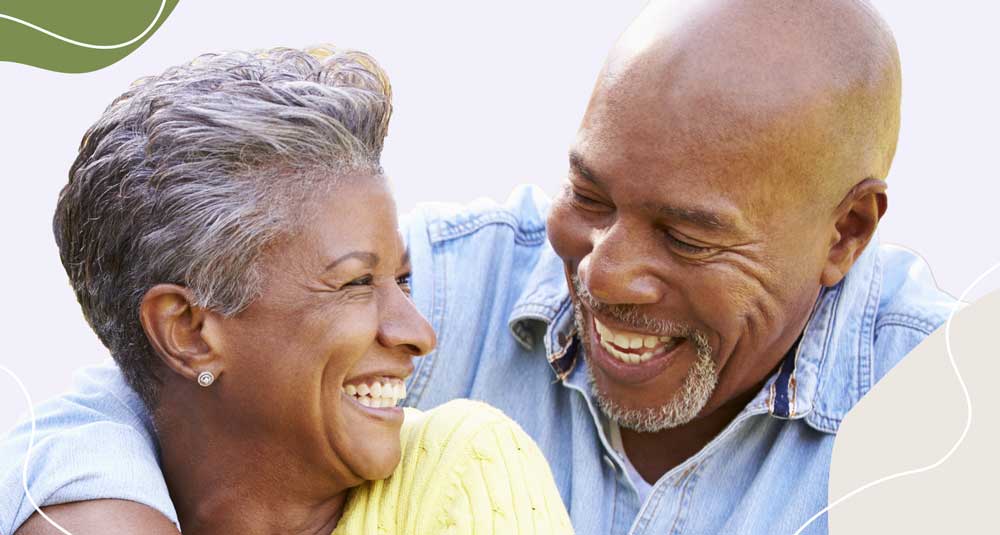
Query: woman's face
x,y
333,321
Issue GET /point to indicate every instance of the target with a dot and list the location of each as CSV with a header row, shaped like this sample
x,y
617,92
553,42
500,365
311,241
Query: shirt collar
x,y
543,300
832,369
820,380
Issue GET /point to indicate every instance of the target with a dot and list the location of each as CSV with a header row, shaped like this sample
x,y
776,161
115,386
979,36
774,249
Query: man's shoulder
x,y
99,395
910,296
911,307
95,442
523,213
863,328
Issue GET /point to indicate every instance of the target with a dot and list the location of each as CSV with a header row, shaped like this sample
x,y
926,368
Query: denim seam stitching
x,y
826,423
827,340
685,499
649,510
442,231
905,320
535,310
866,338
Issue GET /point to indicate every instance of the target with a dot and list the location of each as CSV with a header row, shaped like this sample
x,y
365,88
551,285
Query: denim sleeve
x,y
95,442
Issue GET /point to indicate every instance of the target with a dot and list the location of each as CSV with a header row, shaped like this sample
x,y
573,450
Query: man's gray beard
x,y
686,403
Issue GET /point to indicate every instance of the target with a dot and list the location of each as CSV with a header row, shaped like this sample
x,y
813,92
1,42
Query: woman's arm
x,y
99,517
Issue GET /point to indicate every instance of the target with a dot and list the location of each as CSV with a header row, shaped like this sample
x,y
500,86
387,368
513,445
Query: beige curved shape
x,y
911,419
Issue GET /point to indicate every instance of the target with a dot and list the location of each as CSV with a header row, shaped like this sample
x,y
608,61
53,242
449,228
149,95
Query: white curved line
x,y
968,418
27,455
132,41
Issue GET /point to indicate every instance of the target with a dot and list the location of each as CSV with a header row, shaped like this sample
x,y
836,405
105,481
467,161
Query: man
x,y
712,305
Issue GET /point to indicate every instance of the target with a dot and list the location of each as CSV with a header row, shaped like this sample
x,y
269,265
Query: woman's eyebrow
x,y
370,259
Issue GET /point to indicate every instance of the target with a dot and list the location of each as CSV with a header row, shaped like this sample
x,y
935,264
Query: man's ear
x,y
174,326
856,219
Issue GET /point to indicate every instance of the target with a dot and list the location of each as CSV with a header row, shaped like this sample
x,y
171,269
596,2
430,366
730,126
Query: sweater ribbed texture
x,y
466,469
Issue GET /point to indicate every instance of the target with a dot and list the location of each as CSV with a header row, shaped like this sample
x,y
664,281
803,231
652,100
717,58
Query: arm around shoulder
x,y
100,517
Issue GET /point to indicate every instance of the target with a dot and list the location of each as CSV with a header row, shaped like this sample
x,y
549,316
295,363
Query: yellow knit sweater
x,y
466,469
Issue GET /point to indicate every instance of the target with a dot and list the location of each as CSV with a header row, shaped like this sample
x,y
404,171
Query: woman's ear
x,y
856,219
174,325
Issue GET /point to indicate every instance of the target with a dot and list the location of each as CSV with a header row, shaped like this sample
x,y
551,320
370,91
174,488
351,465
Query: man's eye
x,y
587,203
687,247
361,281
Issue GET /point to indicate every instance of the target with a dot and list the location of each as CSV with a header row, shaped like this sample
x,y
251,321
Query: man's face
x,y
692,267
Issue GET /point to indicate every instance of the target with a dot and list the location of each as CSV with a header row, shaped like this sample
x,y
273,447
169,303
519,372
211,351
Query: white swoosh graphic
x,y
132,41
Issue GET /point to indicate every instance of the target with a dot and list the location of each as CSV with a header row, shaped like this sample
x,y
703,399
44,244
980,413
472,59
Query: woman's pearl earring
x,y
206,379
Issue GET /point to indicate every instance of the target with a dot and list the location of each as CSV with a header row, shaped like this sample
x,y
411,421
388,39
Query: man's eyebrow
x,y
370,259
695,216
405,259
577,164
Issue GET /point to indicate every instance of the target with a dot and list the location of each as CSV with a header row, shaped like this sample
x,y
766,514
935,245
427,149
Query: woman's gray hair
x,y
188,177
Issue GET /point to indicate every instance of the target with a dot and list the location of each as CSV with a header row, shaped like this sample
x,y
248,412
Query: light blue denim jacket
x,y
493,289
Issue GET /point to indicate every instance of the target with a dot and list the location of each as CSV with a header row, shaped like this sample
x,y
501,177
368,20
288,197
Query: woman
x,y
231,238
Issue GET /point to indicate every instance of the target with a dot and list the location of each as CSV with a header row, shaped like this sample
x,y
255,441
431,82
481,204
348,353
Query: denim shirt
x,y
495,293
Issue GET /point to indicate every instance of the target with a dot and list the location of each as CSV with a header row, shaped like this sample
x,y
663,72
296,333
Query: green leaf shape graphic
x,y
92,34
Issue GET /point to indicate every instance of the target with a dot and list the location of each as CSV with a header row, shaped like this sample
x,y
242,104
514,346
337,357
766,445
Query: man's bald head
x,y
730,164
810,87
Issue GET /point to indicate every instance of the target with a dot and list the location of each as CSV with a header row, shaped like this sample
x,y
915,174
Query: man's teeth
x,y
618,344
378,394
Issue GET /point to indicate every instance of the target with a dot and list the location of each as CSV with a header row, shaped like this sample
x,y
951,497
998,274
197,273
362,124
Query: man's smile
x,y
610,350
633,347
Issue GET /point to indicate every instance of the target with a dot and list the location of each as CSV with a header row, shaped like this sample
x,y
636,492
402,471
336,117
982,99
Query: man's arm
x,y
94,443
99,517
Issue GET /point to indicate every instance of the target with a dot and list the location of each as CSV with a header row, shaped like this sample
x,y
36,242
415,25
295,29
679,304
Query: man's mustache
x,y
631,315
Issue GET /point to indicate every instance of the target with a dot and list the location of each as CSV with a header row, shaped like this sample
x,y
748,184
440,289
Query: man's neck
x,y
655,454
221,483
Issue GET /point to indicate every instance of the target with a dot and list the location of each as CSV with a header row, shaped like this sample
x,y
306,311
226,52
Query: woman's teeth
x,y
377,393
621,344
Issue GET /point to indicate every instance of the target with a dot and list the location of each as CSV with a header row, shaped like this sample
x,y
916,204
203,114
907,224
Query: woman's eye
x,y
404,282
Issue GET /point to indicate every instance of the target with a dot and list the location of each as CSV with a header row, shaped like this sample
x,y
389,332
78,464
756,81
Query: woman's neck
x,y
224,481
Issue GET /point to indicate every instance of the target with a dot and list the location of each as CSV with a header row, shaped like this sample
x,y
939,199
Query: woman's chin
x,y
373,464
372,442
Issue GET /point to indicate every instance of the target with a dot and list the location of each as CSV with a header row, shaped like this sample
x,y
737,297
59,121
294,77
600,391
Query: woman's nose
x,y
403,326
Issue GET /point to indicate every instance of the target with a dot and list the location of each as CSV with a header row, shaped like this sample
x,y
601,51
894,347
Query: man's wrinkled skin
x,y
731,162
729,165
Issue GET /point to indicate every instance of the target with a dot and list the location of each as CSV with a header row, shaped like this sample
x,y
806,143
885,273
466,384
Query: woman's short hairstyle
x,y
188,177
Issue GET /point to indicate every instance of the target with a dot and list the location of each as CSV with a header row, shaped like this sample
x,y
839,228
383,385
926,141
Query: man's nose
x,y
619,269
402,326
